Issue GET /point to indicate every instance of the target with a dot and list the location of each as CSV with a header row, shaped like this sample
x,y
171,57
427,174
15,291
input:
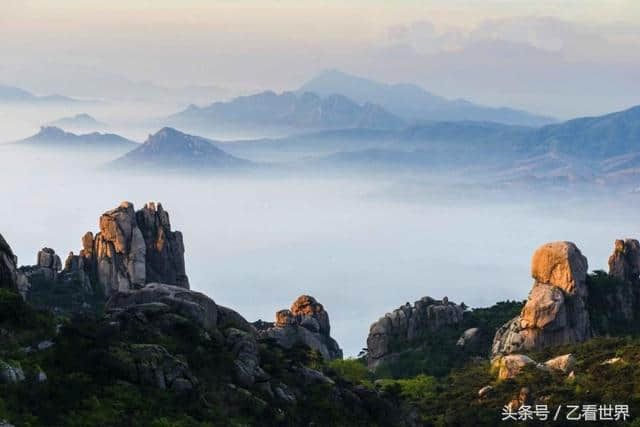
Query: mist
x,y
355,242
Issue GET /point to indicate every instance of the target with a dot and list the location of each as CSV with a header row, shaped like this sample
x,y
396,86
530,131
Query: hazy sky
x,y
561,57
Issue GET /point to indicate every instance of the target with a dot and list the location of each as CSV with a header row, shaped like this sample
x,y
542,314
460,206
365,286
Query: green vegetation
x,y
435,353
89,377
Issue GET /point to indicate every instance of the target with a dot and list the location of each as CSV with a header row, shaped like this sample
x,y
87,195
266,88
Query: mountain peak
x,y
171,149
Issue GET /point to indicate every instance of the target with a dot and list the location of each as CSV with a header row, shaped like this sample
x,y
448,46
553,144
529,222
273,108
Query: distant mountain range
x,y
287,111
52,137
171,150
14,95
79,121
579,149
413,103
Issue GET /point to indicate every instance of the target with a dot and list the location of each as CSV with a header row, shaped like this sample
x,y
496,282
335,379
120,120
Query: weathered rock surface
x,y
190,304
307,322
49,262
8,267
564,363
408,323
509,366
10,373
244,347
624,263
165,248
134,248
556,311
469,338
152,365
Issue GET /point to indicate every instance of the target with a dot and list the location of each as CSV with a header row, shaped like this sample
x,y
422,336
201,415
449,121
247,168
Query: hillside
x,y
169,149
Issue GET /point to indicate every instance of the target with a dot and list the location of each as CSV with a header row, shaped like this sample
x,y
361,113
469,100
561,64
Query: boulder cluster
x,y
307,322
556,311
134,248
408,323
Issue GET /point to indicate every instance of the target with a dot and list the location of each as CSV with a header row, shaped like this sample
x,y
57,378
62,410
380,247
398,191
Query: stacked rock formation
x,y
408,323
555,312
134,248
624,263
306,323
48,262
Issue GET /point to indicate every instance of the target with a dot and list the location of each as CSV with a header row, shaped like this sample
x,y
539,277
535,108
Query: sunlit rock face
x,y
556,311
407,323
307,322
134,248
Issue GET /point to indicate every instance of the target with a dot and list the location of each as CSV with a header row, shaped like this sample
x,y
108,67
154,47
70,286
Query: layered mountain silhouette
x,y
412,102
288,110
171,150
79,121
579,149
54,137
10,95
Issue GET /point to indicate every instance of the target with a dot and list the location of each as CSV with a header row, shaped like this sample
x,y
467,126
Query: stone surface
x,y
624,263
556,311
244,347
193,305
307,322
133,249
8,267
484,391
407,323
560,264
469,338
612,361
10,373
564,363
165,248
509,366
152,365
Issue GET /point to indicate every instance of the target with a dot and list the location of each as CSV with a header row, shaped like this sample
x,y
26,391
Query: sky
x,y
564,58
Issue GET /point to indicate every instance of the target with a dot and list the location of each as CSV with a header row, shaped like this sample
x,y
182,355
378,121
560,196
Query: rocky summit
x,y
171,150
556,310
118,322
305,323
135,248
408,323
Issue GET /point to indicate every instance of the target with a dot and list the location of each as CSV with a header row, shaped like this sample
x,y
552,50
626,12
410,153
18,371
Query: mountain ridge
x,y
412,102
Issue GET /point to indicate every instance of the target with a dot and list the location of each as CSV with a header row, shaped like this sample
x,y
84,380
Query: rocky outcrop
x,y
556,311
133,249
624,263
564,363
152,365
306,323
511,365
244,348
165,248
408,323
190,304
470,338
49,263
8,267
11,373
